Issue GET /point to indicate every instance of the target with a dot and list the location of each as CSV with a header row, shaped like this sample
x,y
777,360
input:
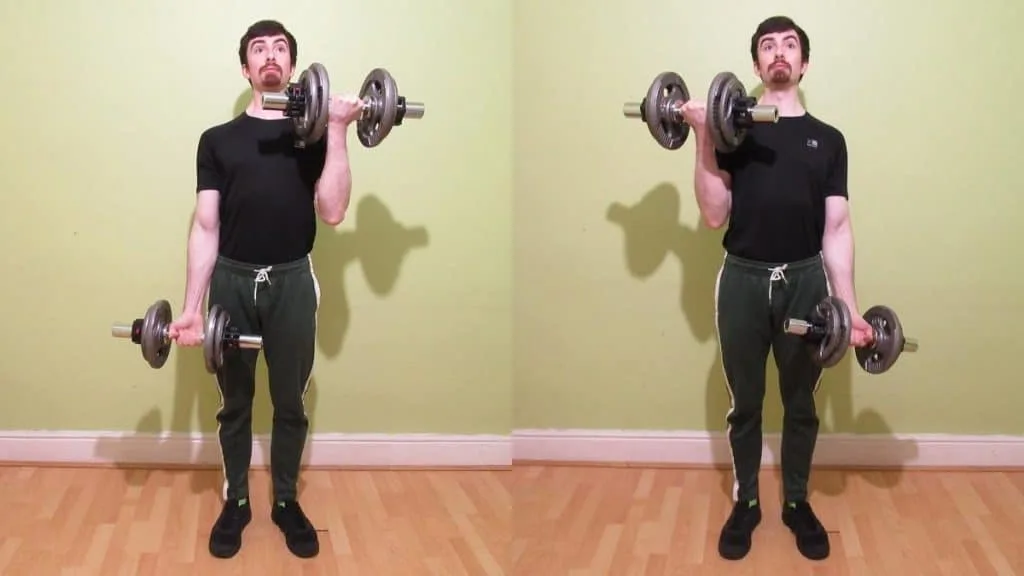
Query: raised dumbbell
x,y
307,102
827,331
152,335
730,112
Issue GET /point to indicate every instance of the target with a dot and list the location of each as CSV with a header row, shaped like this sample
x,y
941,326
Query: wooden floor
x,y
534,521
576,521
91,521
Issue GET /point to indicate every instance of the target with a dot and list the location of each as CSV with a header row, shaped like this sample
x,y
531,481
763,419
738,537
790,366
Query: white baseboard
x,y
685,448
323,450
710,449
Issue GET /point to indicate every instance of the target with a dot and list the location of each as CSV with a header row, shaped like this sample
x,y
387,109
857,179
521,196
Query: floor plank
x,y
535,520
579,521
138,522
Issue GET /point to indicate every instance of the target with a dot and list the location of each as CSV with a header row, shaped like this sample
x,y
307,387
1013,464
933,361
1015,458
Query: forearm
x,y
713,195
838,253
335,186
202,254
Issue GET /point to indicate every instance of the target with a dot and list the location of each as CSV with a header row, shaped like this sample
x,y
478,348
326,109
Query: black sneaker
x,y
811,537
734,541
226,536
299,534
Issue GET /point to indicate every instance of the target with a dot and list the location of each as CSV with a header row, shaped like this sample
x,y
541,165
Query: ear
x,y
245,72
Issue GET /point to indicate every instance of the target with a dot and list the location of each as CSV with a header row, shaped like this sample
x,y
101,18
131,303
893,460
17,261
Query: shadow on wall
x,y
378,243
652,232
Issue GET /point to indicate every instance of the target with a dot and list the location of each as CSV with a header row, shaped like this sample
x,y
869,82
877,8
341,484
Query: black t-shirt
x,y
266,185
781,175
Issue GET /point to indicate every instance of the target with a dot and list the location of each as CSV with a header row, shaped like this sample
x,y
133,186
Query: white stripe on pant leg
x,y
316,322
223,458
220,409
828,290
728,387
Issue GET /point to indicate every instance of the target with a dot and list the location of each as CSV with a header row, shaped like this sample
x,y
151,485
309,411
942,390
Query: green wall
x,y
614,317
541,272
107,102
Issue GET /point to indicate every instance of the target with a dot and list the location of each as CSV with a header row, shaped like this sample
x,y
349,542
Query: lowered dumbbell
x,y
730,112
827,331
151,334
888,343
307,102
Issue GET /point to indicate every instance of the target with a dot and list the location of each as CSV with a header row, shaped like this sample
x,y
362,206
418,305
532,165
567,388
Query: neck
x,y
256,109
787,99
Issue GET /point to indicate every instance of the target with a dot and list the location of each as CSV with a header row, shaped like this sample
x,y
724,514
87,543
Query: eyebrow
x,y
261,42
786,37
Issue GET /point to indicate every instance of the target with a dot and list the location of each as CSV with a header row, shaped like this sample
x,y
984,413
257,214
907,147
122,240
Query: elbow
x,y
714,222
333,217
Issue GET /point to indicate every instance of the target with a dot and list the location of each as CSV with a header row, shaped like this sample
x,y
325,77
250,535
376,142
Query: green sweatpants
x,y
280,303
753,299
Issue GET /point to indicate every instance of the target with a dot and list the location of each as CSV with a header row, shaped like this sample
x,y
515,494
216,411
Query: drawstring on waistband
x,y
262,275
778,273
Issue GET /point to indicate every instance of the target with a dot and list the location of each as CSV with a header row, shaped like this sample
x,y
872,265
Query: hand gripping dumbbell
x,y
152,335
827,331
730,112
307,103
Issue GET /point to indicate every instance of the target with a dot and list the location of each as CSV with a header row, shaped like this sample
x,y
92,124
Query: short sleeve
x,y
208,171
836,180
726,161
313,159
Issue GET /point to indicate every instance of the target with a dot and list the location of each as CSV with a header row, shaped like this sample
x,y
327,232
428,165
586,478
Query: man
x,y
789,244
258,196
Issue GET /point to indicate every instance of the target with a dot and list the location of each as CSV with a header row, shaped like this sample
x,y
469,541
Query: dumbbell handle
x,y
121,331
766,113
758,113
279,101
244,340
802,328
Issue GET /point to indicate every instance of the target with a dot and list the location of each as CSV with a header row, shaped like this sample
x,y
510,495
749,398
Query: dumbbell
x,y
151,334
730,112
827,331
307,103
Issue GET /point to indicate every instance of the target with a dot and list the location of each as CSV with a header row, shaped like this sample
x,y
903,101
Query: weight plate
x,y
667,92
213,339
155,344
725,89
835,316
321,86
888,345
315,87
380,93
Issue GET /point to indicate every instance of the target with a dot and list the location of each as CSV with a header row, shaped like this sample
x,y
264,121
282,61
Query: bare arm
x,y
334,188
838,252
202,249
711,184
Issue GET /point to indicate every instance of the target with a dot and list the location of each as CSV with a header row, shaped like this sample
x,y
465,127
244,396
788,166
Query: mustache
x,y
270,67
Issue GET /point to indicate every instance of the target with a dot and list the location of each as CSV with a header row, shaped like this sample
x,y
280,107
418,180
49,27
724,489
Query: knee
x,y
746,412
801,413
289,408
